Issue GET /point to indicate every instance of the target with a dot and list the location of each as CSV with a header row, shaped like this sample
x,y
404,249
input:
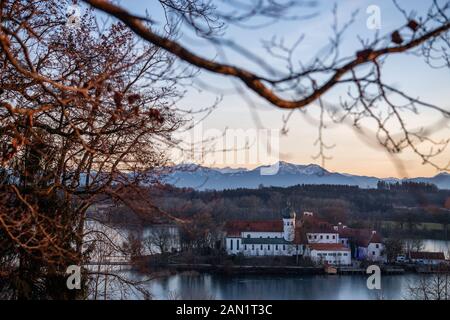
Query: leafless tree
x,y
393,248
199,234
431,287
85,113
106,280
160,240
414,245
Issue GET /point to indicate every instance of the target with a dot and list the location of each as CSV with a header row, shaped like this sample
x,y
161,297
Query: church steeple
x,y
288,212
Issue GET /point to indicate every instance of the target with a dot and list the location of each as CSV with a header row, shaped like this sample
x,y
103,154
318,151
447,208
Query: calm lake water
x,y
317,287
307,287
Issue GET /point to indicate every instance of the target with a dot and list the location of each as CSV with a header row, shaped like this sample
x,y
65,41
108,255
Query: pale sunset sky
x,y
351,153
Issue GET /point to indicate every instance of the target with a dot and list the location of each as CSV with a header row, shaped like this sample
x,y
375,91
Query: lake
x,y
305,287
258,287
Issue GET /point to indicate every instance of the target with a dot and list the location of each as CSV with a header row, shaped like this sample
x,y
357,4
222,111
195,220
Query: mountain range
x,y
281,174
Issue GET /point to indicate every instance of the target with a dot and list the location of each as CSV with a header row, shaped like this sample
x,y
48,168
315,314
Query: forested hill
x,y
408,209
337,203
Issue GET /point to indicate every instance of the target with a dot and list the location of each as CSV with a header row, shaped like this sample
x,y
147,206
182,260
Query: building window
x,y
261,247
268,247
377,246
315,237
309,236
245,247
334,237
231,244
373,252
276,247
345,254
342,241
284,247
237,244
321,236
248,236
253,247
328,237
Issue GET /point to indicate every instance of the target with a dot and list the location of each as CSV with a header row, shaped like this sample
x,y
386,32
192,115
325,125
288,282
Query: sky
x,y
249,115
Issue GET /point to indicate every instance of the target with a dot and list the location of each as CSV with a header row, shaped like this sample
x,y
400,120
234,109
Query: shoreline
x,y
292,270
273,270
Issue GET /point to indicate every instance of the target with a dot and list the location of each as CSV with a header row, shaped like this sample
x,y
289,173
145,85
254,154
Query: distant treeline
x,y
407,203
334,202
407,186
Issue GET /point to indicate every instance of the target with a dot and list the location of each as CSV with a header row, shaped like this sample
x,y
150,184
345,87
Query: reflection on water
x,y
307,287
352,287
208,286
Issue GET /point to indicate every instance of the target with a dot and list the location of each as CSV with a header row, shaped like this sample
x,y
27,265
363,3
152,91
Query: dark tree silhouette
x,y
84,114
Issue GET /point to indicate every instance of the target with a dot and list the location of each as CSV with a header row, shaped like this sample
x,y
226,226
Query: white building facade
x,y
375,252
331,255
287,237
265,238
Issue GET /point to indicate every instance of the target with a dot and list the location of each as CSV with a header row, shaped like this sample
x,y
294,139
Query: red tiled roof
x,y
427,255
328,247
316,225
346,232
234,228
313,220
320,229
362,237
376,238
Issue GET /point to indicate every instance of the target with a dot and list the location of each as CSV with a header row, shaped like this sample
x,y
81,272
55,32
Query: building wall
x,y
289,229
332,257
344,241
234,245
375,252
322,237
267,250
361,253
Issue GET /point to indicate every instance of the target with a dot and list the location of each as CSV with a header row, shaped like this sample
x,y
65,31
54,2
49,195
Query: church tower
x,y
288,215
